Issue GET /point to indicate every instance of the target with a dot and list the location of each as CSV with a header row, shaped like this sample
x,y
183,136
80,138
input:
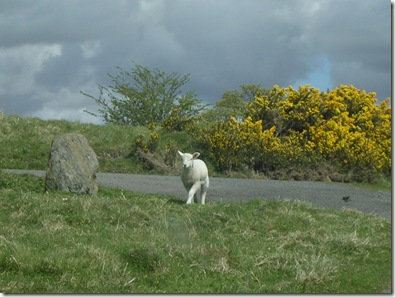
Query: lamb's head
x,y
187,159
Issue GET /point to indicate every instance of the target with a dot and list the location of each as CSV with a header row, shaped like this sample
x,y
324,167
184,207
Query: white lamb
x,y
194,176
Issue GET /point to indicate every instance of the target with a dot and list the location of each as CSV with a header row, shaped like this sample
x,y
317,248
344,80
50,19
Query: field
x,y
125,242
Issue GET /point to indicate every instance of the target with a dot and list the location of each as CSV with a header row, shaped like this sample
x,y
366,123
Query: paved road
x,y
320,194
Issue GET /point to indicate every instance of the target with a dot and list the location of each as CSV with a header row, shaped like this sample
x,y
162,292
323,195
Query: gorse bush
x,y
151,143
231,143
179,121
305,127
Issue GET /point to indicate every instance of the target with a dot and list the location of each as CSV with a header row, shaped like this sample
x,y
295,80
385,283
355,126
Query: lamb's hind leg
x,y
203,191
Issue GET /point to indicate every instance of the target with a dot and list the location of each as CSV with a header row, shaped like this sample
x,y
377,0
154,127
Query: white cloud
x,y
67,104
90,48
19,65
71,114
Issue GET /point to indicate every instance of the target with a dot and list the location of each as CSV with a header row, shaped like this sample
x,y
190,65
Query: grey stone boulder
x,y
72,165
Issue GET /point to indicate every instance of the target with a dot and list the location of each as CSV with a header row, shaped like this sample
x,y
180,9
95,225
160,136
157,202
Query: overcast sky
x,y
51,50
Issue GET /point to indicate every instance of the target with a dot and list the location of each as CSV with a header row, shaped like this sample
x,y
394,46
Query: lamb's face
x,y
187,159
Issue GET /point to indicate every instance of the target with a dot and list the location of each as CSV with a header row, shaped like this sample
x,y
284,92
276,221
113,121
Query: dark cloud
x,y
19,104
47,21
63,70
59,48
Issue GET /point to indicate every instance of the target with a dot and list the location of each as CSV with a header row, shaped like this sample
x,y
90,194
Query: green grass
x,y
381,184
25,143
124,242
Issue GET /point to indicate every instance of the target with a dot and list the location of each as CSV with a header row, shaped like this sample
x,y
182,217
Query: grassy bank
x,y
124,242
25,142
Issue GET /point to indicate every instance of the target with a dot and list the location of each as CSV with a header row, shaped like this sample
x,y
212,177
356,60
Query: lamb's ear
x,y
181,154
195,155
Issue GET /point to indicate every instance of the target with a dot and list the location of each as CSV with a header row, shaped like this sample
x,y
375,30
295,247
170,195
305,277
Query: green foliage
x,y
234,103
124,242
143,96
178,121
149,145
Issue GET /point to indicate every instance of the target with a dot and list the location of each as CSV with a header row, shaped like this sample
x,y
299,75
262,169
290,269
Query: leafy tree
x,y
234,103
143,96
248,92
231,104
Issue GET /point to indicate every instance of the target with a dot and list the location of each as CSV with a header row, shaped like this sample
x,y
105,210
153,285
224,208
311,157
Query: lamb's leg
x,y
192,193
203,191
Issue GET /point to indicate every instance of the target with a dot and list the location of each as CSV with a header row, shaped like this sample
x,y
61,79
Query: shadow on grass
x,y
176,201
